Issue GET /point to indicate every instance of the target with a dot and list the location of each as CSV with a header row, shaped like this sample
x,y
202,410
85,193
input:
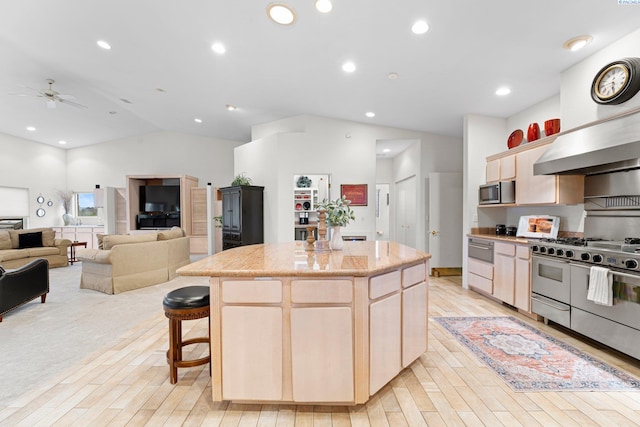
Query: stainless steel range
x,y
561,268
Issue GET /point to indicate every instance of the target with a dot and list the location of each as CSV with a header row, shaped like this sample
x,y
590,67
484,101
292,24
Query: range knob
x,y
597,258
559,252
543,250
631,263
551,251
585,256
569,253
535,248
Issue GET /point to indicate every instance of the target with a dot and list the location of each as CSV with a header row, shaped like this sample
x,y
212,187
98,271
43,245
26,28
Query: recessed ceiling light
x,y
370,114
577,43
324,6
281,13
231,107
31,128
197,120
218,48
62,142
349,67
502,91
103,44
159,89
386,150
392,76
113,112
420,27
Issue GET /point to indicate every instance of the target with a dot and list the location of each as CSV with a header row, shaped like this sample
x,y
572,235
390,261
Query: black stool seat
x,y
187,297
188,303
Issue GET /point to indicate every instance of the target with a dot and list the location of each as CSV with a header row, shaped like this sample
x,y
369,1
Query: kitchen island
x,y
296,326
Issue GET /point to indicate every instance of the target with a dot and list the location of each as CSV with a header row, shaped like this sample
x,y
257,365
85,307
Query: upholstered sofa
x,y
20,247
19,286
125,262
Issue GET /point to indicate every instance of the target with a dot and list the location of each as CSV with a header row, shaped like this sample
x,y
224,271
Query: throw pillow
x,y
30,240
173,233
5,240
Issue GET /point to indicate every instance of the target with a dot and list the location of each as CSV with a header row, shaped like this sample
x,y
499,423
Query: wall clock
x,y
616,82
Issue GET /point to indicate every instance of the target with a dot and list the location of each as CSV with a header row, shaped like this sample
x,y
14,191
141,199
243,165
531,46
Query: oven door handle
x,y
471,245
548,302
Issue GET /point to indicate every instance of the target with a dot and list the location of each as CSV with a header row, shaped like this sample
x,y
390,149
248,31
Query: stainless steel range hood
x,y
605,147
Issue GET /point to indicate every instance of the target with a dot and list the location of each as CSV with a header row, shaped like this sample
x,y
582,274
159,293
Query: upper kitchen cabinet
x,y
501,169
545,189
517,164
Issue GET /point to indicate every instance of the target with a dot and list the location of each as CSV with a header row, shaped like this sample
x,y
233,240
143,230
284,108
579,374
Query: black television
x,y
160,198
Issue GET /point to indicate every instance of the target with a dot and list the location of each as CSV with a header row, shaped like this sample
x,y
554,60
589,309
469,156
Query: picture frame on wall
x,y
357,193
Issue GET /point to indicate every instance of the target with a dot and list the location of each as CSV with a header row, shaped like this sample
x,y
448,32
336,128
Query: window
x,y
85,205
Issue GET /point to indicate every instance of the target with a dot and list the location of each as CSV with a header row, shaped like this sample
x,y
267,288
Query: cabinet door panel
x,y
523,284
414,323
384,341
322,354
503,281
530,188
252,353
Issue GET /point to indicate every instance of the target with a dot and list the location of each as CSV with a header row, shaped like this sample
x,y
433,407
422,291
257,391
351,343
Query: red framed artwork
x,y
357,193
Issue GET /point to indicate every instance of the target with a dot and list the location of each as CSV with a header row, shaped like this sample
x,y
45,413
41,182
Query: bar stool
x,y
188,303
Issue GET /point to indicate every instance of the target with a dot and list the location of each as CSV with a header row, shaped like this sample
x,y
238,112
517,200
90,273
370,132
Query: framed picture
x,y
357,193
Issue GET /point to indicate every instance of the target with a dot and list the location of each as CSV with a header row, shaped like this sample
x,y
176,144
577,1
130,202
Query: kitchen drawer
x,y
251,291
523,252
384,284
321,291
480,283
413,275
508,249
483,269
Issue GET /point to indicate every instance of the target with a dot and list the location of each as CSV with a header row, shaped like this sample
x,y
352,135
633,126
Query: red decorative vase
x,y
533,133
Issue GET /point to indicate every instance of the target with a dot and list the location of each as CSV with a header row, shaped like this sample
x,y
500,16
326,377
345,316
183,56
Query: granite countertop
x,y
510,239
291,259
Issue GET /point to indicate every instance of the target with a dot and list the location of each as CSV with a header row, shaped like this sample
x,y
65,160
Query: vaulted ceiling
x,y
161,72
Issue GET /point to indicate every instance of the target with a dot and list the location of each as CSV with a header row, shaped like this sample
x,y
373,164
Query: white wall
x,y
346,150
577,106
39,167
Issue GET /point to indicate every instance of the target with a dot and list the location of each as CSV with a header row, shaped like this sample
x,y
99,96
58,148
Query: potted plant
x,y
338,214
241,179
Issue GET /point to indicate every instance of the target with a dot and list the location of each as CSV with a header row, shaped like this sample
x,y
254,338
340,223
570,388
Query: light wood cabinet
x,y
480,275
504,272
501,169
545,189
523,278
414,323
385,341
322,354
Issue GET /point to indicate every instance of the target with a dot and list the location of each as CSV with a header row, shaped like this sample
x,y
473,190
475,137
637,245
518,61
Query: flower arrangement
x,y
66,197
338,211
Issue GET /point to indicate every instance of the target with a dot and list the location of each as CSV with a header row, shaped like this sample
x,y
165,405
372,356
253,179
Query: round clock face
x,y
612,81
616,82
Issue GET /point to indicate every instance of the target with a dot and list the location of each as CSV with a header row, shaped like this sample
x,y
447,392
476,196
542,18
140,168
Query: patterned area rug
x,y
530,360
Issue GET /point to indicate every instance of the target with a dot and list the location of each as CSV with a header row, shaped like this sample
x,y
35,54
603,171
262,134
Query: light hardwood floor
x,y
446,386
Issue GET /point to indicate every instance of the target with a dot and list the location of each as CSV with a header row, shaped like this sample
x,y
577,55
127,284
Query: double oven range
x,y
561,267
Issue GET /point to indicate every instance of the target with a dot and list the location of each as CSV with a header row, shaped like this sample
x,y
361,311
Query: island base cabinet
x,y
322,354
414,323
384,341
252,353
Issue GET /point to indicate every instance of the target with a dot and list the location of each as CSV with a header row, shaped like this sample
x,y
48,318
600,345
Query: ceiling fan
x,y
52,96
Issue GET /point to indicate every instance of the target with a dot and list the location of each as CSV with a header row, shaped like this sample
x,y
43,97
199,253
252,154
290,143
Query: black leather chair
x,y
24,284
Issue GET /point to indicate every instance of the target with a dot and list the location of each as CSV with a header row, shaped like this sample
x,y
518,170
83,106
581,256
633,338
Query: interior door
x,y
406,212
445,219
382,212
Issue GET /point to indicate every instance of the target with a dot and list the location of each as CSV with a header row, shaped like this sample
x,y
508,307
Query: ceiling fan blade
x,y
66,97
74,104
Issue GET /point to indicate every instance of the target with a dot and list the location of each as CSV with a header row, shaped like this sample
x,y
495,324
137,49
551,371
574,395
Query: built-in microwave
x,y
499,192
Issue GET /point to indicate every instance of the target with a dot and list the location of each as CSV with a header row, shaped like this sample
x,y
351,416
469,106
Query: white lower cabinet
x,y
322,354
414,323
384,341
252,353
